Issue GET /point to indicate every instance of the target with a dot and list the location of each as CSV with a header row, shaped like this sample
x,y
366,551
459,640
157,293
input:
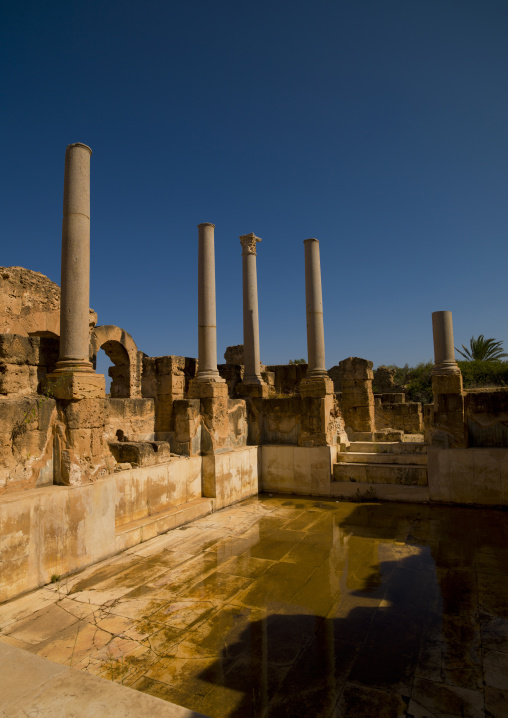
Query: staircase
x,y
390,470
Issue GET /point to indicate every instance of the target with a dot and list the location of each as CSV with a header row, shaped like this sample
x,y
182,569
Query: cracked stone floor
x,y
287,606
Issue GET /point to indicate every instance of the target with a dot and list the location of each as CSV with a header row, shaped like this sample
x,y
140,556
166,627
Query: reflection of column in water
x,y
330,660
363,564
337,559
264,665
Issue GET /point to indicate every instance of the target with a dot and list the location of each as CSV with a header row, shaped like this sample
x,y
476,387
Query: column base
x,y
260,391
445,368
200,389
316,386
64,366
71,386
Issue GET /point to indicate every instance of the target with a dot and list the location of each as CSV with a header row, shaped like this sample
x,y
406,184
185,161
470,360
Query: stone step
x,y
408,474
386,435
356,457
351,491
135,532
388,447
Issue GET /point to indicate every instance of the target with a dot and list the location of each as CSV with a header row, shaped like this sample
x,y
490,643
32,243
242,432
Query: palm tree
x,y
483,350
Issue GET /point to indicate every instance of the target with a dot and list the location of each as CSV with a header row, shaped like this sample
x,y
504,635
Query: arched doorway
x,y
122,351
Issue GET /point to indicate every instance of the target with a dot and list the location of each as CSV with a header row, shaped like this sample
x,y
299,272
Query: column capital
x,y
311,239
206,224
248,242
79,144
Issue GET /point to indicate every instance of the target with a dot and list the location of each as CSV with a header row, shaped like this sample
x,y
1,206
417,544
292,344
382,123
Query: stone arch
x,y
121,348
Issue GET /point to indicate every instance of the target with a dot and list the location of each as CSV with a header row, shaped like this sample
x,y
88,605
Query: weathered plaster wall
x,y
53,531
468,476
297,469
150,490
231,476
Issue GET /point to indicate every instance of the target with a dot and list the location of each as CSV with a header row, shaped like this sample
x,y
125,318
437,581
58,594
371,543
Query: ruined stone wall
x,y
24,363
26,442
206,426
486,417
30,303
392,412
295,420
287,377
357,399
135,418
166,380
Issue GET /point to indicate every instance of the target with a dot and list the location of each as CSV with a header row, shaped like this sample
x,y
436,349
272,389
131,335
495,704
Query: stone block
x,y
18,379
164,419
172,384
207,389
17,349
80,441
76,385
352,397
187,418
449,403
84,414
447,384
141,453
261,391
319,387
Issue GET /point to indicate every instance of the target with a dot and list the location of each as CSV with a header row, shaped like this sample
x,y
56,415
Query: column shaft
x,y
251,353
207,329
75,277
444,349
314,302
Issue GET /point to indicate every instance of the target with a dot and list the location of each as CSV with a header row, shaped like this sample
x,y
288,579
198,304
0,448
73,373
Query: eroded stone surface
x,y
286,606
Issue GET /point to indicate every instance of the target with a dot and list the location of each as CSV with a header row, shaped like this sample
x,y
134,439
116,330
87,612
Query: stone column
x,y
316,389
74,377
448,423
208,376
75,271
444,349
314,302
252,359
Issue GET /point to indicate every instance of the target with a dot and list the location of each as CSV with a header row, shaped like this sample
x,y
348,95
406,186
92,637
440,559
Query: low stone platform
x,y
35,686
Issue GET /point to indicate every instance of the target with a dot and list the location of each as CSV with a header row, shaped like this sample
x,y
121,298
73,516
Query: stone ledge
x,y
136,532
32,685
352,491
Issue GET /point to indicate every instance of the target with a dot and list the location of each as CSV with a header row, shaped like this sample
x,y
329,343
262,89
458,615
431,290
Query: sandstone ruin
x,y
84,475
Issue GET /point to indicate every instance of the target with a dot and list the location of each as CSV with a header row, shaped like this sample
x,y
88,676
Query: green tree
x,y
482,349
297,361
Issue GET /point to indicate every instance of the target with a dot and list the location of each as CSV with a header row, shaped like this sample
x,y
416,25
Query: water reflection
x,y
363,615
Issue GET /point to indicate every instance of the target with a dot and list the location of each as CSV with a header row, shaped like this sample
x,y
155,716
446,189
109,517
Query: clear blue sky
x,y
378,126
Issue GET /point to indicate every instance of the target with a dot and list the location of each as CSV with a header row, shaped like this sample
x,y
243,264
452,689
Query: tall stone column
x,y
448,422
314,303
75,270
74,377
79,450
444,348
252,359
317,387
208,381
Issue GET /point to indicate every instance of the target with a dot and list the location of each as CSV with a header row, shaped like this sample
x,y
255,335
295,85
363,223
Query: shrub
x,y
477,374
417,381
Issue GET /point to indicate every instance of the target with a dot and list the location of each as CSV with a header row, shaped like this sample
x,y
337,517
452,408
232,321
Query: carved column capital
x,y
248,242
